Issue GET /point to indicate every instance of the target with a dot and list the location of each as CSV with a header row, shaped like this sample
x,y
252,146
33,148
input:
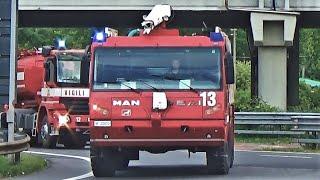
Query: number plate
x,y
102,123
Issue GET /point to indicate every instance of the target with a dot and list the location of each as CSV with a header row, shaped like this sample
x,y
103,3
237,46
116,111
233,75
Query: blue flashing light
x,y
60,44
100,37
216,36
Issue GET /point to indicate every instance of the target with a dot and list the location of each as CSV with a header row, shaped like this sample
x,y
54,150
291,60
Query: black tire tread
x,y
101,166
218,161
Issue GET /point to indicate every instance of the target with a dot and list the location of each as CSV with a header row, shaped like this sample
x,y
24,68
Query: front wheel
x,y
123,164
71,141
47,140
231,154
218,160
102,162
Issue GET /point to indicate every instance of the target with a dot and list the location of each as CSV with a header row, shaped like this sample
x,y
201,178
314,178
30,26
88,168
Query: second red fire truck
x,y
53,95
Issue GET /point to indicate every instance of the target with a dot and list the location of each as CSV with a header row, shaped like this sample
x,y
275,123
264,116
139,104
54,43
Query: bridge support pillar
x,y
293,70
272,34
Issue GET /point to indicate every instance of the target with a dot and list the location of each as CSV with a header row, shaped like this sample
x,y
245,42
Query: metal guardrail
x,y
306,123
295,124
310,125
20,144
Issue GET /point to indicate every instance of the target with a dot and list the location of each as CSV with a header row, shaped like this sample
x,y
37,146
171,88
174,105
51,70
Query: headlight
x,y
63,119
101,110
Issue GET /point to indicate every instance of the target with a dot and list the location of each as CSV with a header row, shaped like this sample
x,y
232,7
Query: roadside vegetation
x,y
260,139
309,96
29,163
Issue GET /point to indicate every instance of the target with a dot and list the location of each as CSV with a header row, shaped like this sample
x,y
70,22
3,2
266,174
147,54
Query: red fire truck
x,y
158,92
52,96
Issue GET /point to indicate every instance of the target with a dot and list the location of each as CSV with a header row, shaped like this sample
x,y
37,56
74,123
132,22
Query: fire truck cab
x,y
160,92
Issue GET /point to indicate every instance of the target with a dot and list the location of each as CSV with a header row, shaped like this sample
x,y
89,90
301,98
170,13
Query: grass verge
x,y
263,140
29,163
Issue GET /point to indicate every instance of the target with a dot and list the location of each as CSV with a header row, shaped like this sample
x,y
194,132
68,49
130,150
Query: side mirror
x,y
87,53
84,76
229,69
47,71
46,50
85,66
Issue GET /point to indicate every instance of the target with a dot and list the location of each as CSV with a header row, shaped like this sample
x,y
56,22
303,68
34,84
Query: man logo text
x,y
126,103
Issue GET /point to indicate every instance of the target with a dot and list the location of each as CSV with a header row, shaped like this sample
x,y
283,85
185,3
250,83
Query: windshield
x,y
160,68
68,68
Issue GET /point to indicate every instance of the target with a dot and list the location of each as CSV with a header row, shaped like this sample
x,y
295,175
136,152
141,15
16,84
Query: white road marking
x,y
279,152
276,156
90,174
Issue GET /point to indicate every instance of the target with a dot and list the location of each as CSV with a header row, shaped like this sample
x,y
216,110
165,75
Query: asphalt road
x,y
75,164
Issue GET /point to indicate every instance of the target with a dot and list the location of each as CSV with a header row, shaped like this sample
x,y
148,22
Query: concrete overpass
x,y
127,13
273,28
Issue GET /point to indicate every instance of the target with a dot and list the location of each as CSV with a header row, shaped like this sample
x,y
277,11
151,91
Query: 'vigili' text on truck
x,y
157,91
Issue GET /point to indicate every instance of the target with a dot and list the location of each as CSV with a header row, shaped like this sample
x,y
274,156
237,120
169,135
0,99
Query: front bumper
x,y
170,133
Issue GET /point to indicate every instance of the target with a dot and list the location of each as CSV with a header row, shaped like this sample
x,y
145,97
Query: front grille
x,y
82,123
76,106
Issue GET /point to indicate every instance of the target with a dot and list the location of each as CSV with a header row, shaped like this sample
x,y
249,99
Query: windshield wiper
x,y
70,79
122,83
176,79
145,83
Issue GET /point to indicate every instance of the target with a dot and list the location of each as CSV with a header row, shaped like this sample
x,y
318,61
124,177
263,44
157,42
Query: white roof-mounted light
x,y
158,14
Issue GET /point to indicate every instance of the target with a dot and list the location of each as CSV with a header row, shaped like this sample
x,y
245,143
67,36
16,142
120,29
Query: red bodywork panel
x,y
146,127
30,74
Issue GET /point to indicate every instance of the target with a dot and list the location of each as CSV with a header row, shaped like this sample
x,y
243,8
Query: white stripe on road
x,y
90,174
278,152
276,156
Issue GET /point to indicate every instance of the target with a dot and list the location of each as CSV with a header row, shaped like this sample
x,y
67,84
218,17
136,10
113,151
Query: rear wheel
x,y
47,140
33,140
218,160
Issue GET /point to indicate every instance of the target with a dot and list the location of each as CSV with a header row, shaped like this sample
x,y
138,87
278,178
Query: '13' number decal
x,y
208,98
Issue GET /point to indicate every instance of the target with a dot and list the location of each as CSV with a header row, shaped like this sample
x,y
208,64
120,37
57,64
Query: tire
x,y
231,155
47,140
124,163
33,141
218,160
231,150
72,143
102,162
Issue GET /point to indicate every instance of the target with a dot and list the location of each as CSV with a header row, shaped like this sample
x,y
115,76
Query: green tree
x,y
310,52
29,38
242,45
